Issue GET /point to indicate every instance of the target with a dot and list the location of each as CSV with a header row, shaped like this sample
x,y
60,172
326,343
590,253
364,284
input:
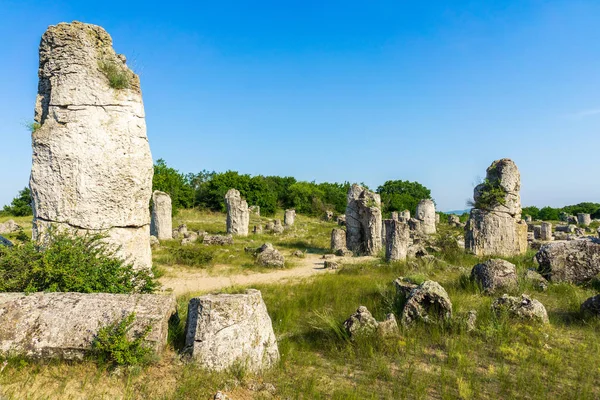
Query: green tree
x,y
20,205
533,211
549,214
177,185
402,195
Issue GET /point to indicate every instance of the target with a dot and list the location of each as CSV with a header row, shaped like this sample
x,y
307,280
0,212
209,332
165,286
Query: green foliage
x,y
177,185
491,194
548,214
83,264
33,126
402,195
112,345
553,214
192,256
118,77
20,205
532,211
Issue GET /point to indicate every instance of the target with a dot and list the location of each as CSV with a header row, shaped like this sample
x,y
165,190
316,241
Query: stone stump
x,y
92,168
161,224
546,231
289,217
338,239
397,240
584,219
363,221
238,216
426,214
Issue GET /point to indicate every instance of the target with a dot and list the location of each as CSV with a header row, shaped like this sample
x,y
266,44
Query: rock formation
x,y
397,240
9,226
92,169
161,224
426,214
546,231
574,261
363,221
495,274
268,256
63,325
225,329
289,217
523,307
338,239
495,226
238,216
584,219
429,303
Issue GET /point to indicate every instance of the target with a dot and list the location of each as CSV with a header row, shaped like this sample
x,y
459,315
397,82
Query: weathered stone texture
x,y
161,224
574,261
238,216
429,303
498,229
338,239
9,226
92,168
584,219
426,214
591,306
495,274
289,217
546,231
63,325
522,307
268,256
397,240
225,329
363,221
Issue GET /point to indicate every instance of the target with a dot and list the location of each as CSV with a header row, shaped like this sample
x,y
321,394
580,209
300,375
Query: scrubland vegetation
x,y
501,358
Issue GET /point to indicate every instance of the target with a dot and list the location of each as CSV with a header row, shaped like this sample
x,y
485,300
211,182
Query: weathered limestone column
x,y
338,239
426,214
453,219
161,224
92,168
397,240
495,226
289,217
395,215
546,231
584,219
363,221
238,216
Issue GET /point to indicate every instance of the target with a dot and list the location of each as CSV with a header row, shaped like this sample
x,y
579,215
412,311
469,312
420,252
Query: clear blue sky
x,y
431,91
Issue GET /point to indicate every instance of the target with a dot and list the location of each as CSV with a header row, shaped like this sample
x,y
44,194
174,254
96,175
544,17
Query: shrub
x,y
20,205
83,264
491,194
192,256
118,77
112,345
33,126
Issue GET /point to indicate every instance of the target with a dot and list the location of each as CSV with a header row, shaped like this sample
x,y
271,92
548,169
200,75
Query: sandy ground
x,y
312,264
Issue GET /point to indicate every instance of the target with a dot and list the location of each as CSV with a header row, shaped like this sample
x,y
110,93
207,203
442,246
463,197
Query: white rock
x,y
161,224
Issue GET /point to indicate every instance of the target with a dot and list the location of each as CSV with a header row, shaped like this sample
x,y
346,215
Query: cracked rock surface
x,y
92,168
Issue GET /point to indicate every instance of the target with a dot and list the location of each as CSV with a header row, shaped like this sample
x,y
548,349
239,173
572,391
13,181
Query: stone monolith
x,y
397,240
92,168
238,216
161,224
289,217
363,221
426,214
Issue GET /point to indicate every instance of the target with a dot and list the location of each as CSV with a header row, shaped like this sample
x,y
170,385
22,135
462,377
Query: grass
x,y
501,358
118,77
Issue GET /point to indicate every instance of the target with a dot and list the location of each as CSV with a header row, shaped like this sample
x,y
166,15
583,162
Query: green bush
x,y
70,264
112,345
20,205
191,256
402,195
118,77
491,194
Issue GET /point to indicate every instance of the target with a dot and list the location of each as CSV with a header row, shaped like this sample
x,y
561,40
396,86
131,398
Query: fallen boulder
x,y
494,274
5,242
225,329
574,261
9,226
268,256
429,303
522,307
591,306
63,325
220,240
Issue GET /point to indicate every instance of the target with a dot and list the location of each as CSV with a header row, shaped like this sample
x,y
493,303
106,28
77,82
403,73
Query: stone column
x,y
92,168
426,214
289,217
238,216
161,224
363,221
546,231
397,240
584,219
338,239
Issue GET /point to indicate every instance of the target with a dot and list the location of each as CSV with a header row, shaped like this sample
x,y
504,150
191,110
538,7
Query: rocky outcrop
x,y
92,168
268,256
289,217
546,231
238,216
223,330
220,240
495,226
574,261
426,214
277,227
363,221
362,323
161,224
397,240
495,274
523,307
429,303
584,219
63,325
591,306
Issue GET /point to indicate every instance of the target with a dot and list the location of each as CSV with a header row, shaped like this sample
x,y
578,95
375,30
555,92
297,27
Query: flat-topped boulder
x,y
574,261
225,329
63,325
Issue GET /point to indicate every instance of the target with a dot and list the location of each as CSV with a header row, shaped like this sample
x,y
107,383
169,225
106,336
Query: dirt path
x,y
312,264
